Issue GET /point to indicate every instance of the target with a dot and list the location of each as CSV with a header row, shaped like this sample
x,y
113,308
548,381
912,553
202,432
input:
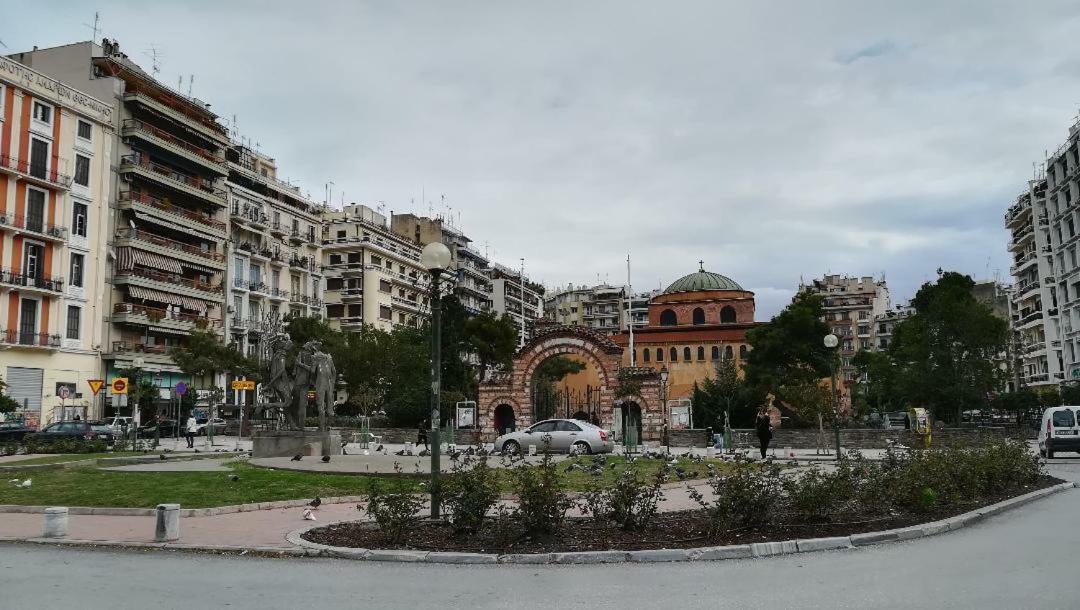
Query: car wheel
x,y
511,447
1049,451
581,448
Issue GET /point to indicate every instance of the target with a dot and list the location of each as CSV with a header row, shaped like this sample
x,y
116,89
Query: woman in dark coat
x,y
421,434
763,423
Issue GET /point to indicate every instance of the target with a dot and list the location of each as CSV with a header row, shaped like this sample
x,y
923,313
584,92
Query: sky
x,y
772,140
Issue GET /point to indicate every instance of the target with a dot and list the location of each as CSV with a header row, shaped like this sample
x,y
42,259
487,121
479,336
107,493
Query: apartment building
x,y
56,148
515,296
373,274
1035,319
468,268
566,306
636,309
603,308
851,306
275,244
886,322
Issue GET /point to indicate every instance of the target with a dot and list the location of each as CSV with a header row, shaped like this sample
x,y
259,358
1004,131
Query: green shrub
x,y
542,497
469,493
819,496
747,497
394,505
630,501
64,445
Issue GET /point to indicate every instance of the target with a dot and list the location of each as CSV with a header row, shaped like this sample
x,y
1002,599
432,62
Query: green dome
x,y
703,280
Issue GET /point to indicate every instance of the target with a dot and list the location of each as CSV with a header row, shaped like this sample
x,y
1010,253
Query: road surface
x,y
1025,558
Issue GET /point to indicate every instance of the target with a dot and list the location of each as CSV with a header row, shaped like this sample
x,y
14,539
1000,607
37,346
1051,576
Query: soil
x,y
685,529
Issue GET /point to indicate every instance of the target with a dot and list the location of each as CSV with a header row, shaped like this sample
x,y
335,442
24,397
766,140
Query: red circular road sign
x,y
119,385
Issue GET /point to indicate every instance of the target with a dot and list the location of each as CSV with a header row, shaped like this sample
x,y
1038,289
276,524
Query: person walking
x,y
763,423
421,434
190,428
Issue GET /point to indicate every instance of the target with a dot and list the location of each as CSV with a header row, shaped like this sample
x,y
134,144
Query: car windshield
x,y
1064,418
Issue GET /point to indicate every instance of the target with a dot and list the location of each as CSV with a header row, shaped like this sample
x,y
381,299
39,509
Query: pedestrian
x,y
190,428
763,423
421,434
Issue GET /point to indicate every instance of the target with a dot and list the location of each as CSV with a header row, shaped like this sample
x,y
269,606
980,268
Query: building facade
x,y
373,275
468,268
515,296
56,148
600,308
851,306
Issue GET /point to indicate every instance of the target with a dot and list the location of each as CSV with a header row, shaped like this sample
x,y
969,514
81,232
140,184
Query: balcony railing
x,y
121,347
197,182
158,204
250,213
154,314
171,244
171,139
39,171
278,293
29,339
41,281
33,225
169,278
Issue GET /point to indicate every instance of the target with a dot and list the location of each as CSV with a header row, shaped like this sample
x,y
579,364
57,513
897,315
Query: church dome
x,y
702,280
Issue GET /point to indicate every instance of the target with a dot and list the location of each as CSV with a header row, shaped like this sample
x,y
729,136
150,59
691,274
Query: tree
x,y
726,392
204,354
1070,393
945,353
493,339
7,403
546,397
879,391
141,392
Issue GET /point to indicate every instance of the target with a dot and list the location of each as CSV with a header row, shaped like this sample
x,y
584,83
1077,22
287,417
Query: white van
x,y
1059,430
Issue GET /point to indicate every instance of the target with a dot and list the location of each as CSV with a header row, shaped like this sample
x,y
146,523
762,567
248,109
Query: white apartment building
x,y
468,267
851,306
515,296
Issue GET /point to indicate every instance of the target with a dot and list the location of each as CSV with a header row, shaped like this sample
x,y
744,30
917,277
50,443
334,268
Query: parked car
x,y
103,428
1059,431
161,428
13,431
219,426
119,424
69,430
563,435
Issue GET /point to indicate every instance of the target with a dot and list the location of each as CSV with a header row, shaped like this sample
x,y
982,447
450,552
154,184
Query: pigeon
x,y
316,503
296,458
402,452
571,468
309,515
233,477
196,451
162,456
423,453
325,459
679,472
380,449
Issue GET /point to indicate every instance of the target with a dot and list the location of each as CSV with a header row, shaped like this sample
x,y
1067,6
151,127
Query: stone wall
x,y
862,438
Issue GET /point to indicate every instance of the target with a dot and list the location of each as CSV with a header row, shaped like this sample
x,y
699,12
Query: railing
x,y
40,171
15,337
298,261
250,213
164,206
197,182
312,301
239,282
401,250
169,278
258,286
155,314
41,281
171,244
171,139
275,227
33,225
279,293
120,347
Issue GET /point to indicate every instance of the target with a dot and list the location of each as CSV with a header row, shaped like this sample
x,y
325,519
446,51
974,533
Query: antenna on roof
x,y
190,81
94,28
155,60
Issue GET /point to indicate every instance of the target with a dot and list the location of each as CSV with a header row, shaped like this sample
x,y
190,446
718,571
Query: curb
x,y
184,512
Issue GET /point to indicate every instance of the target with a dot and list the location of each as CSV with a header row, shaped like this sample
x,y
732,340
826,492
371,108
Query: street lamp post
x,y
436,259
831,342
663,397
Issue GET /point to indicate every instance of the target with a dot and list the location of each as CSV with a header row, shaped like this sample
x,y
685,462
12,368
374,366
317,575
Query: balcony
x,y
151,353
137,95
299,262
258,288
277,294
239,283
169,282
36,227
250,215
172,144
34,173
169,247
140,315
169,212
17,339
276,229
352,295
408,252
40,283
407,304
144,166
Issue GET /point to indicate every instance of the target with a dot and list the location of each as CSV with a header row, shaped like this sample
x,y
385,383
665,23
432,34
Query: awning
x,y
147,294
128,257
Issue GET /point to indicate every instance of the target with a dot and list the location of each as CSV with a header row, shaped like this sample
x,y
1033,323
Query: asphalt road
x,y
1025,558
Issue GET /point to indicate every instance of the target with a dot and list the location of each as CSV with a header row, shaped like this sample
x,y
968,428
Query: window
x,y
862,314
729,352
42,112
74,317
668,318
334,283
376,260
335,259
385,313
385,286
701,352
686,354
82,170
715,352
356,257
659,354
1063,418
674,355
699,315
79,213
85,130
645,352
35,210
39,158
567,426
33,260
76,270
727,315
544,426
742,352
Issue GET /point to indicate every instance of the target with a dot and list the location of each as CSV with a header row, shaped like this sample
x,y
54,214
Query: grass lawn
x,y
70,457
90,486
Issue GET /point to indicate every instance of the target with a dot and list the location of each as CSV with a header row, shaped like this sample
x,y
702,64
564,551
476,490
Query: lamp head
x,y
664,374
435,257
831,341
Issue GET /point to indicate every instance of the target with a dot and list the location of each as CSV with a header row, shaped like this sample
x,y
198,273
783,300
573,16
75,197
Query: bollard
x,y
56,522
167,528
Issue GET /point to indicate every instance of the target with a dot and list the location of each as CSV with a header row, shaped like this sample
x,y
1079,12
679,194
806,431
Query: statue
x,y
315,366
279,386
302,377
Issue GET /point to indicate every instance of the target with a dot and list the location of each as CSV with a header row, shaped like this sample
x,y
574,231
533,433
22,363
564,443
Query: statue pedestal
x,y
283,443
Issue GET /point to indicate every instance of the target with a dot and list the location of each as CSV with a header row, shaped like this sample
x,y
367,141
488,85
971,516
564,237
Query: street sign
x,y
120,385
63,392
181,388
95,385
241,384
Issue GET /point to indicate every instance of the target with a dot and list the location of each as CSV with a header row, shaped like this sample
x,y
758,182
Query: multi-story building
x,y
636,310
373,275
56,148
851,305
597,307
566,306
885,323
515,296
167,227
1035,320
468,268
275,238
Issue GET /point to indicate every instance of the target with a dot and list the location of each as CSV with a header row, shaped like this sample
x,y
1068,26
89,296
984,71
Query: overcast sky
x,y
772,140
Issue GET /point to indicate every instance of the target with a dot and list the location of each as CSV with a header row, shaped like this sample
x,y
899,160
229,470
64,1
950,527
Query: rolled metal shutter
x,y
24,385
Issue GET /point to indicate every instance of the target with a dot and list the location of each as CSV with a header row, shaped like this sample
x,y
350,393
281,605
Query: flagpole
x,y
630,310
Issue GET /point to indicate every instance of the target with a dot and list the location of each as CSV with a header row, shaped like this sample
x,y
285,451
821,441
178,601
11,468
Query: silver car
x,y
563,435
